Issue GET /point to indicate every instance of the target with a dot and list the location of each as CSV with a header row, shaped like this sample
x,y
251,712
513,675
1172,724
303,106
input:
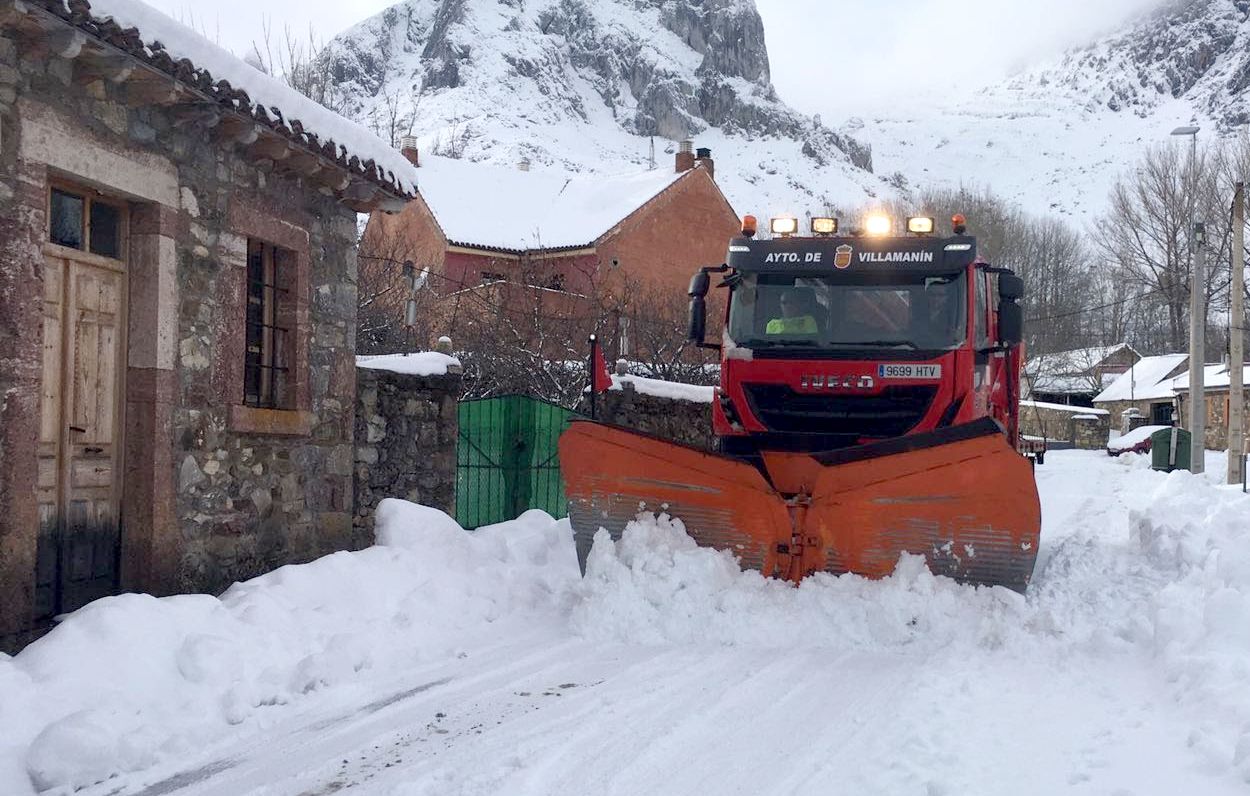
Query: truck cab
x,y
832,342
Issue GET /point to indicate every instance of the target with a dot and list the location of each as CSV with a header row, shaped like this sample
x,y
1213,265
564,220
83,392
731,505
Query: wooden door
x,y
79,442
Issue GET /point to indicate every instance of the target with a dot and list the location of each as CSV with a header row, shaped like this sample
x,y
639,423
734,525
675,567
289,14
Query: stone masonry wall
x,y
1064,425
213,492
406,432
687,422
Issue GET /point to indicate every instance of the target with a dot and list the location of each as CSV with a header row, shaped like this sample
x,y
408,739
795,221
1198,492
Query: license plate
x,y
925,372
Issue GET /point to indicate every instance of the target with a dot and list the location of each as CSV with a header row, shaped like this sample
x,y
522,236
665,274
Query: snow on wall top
x,y
310,124
1146,381
423,363
1076,410
671,390
499,208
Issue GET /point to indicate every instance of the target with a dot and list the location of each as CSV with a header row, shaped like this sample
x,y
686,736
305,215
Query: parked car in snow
x,y
1136,441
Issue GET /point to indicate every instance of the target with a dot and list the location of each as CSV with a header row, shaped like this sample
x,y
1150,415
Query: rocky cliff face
x,y
1195,50
584,85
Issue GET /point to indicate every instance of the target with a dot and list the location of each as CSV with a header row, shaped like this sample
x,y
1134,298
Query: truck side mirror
x,y
1010,287
698,318
700,284
1010,323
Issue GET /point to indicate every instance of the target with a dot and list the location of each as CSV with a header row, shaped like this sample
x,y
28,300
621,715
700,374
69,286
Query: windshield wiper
x,y
878,344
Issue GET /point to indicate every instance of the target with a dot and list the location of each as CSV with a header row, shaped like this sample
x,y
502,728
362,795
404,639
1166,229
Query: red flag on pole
x,y
600,377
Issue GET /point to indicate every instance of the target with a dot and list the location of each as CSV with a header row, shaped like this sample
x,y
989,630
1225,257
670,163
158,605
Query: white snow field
x,y
442,662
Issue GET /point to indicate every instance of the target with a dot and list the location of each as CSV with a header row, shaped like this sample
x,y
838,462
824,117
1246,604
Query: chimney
x,y
524,165
704,159
685,157
408,148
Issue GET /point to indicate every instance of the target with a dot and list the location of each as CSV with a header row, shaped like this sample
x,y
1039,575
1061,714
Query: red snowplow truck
x,y
868,407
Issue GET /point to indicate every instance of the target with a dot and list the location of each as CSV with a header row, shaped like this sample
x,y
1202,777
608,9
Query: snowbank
x,y
1198,538
1160,593
129,681
422,363
1176,591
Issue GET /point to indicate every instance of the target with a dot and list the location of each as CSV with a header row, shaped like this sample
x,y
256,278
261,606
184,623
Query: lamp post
x,y
1197,316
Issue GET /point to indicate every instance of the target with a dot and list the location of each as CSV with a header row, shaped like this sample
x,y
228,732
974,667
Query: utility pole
x,y
1197,316
1236,341
1197,361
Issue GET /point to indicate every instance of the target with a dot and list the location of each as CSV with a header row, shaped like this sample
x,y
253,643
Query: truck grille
x,y
892,413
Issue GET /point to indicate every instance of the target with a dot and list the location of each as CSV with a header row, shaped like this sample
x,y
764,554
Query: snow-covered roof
x,y
1146,381
1215,377
1070,371
423,363
503,209
203,67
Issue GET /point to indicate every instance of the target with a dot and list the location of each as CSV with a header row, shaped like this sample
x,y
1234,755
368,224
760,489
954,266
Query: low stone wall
x,y
406,429
687,422
1080,427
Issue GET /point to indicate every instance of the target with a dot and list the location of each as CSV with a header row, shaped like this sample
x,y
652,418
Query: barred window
x,y
265,371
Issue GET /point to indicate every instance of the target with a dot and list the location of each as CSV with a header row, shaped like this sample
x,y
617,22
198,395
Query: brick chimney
x,y
703,159
408,148
685,156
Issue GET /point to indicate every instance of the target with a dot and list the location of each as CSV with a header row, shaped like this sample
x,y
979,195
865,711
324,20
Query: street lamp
x,y
1197,317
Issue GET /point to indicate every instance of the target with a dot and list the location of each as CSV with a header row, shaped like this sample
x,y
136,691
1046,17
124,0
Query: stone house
x,y
1217,385
1147,388
489,237
177,311
1075,377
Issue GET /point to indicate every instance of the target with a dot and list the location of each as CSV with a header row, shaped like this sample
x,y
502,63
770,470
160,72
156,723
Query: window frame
x,y
89,196
274,380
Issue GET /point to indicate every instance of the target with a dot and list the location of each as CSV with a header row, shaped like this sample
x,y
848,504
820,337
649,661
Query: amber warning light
x,y
749,226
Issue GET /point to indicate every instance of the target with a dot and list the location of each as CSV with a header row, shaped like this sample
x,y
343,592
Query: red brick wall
x,y
665,242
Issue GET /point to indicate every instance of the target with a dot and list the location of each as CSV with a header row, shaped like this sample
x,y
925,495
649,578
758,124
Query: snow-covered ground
x,y
446,663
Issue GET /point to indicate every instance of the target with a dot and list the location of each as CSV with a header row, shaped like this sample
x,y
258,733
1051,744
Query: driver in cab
x,y
796,316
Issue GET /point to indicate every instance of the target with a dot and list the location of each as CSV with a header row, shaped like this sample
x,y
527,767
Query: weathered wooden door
x,y
79,439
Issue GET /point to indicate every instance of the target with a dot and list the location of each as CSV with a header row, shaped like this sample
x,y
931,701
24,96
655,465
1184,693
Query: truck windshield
x,y
899,311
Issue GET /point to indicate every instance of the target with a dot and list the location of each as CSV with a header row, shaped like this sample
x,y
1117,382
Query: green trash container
x,y
1161,450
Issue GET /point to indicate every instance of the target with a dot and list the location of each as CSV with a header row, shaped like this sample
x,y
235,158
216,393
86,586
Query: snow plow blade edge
x,y
960,497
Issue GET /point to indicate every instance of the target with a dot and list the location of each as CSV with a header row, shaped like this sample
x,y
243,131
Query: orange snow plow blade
x,y
960,497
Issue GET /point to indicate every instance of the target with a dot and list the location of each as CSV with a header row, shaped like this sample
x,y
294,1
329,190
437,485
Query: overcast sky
x,y
833,57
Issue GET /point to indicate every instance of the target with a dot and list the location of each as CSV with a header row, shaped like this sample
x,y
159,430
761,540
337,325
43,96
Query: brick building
x,y
177,311
486,234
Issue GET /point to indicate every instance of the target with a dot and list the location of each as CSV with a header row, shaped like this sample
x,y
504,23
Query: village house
x,y
177,311
1075,378
1147,389
1217,385
488,238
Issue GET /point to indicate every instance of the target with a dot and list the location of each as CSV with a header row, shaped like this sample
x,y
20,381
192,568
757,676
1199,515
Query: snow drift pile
x,y
131,682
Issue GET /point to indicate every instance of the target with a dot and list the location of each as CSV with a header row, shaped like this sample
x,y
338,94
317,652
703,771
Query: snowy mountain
x,y
1055,137
585,85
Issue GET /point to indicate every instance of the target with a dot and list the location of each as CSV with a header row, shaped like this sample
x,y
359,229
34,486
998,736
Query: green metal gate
x,y
507,460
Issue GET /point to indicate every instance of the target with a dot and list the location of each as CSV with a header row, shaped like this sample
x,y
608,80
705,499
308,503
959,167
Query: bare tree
x,y
300,63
